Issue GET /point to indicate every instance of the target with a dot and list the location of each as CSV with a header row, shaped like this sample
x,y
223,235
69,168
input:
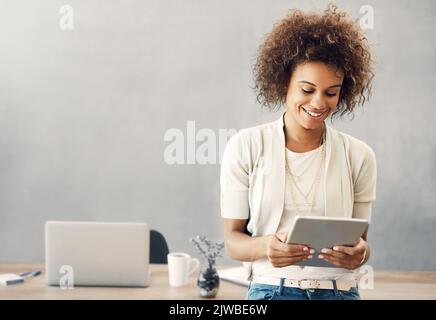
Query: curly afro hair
x,y
300,37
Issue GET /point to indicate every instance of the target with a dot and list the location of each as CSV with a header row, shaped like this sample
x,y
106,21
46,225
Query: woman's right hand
x,y
282,254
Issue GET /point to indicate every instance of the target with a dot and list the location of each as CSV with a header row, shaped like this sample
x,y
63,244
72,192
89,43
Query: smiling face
x,y
313,93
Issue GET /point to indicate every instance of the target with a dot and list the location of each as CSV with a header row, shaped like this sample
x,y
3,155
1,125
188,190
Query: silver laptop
x,y
97,254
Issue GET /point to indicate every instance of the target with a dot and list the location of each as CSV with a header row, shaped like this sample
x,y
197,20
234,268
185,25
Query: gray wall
x,y
83,115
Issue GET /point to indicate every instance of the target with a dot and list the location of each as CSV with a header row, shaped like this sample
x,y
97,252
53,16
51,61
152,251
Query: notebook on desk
x,y
236,275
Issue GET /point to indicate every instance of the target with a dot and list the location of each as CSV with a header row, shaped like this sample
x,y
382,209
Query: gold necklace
x,y
313,187
311,160
314,184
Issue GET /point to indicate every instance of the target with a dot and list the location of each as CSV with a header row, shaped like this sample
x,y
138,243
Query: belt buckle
x,y
315,285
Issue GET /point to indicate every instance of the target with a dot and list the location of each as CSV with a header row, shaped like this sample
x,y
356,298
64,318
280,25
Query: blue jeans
x,y
257,291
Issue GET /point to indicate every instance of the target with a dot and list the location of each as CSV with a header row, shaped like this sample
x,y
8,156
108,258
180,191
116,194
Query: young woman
x,y
318,65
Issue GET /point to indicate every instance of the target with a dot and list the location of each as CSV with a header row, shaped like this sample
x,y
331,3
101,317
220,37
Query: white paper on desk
x,y
7,279
237,275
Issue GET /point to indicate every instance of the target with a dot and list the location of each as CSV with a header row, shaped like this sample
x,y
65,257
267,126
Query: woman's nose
x,y
318,102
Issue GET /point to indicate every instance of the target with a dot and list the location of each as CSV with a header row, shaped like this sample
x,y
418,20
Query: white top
x,y
305,166
253,174
253,178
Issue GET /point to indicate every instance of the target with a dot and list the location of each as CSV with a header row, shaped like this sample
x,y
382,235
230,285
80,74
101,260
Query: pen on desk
x,y
29,274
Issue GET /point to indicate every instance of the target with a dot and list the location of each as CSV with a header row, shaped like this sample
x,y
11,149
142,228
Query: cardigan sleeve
x,y
234,179
365,186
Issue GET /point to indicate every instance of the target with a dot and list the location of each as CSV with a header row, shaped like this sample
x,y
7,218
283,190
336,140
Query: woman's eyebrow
x,y
335,85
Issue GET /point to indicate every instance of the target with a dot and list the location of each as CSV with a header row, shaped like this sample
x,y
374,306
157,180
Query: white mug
x,y
180,267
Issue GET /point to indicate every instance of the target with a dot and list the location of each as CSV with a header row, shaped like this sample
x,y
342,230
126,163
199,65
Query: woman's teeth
x,y
313,114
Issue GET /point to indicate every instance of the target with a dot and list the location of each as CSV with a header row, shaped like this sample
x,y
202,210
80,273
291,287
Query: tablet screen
x,y
325,232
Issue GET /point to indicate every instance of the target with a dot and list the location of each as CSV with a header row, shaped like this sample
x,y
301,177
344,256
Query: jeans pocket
x,y
261,294
352,294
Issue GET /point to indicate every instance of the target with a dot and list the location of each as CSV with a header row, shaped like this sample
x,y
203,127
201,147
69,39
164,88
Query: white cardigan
x,y
253,177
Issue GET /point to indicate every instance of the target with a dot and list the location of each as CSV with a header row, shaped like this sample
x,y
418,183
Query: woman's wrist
x,y
256,248
266,240
365,254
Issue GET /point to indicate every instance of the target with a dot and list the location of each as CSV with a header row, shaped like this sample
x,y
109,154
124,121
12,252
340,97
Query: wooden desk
x,y
35,288
388,285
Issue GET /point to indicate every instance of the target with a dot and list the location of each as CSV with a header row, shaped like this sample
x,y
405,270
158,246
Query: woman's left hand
x,y
346,257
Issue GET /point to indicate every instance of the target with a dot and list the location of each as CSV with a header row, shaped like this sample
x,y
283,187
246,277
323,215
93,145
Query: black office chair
x,y
158,248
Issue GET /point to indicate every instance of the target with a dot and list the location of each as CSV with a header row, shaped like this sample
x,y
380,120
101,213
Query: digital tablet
x,y
325,232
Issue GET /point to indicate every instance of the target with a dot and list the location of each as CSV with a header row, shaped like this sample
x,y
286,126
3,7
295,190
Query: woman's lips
x,y
313,114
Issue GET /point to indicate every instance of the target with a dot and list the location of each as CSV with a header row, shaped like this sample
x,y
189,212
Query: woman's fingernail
x,y
324,251
321,256
309,257
335,248
312,251
305,249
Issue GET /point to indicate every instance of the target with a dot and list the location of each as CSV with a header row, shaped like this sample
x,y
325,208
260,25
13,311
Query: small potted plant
x,y
208,280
